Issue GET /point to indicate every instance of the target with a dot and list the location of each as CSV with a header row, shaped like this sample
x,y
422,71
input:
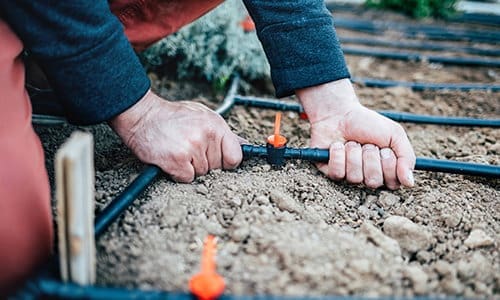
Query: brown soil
x,y
294,232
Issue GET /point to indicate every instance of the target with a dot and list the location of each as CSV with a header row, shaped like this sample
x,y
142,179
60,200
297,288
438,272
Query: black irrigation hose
x,y
124,199
267,103
422,163
437,120
427,31
53,289
477,18
396,116
56,290
406,56
422,86
419,46
127,197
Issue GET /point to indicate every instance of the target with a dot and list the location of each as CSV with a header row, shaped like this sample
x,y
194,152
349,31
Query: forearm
x,y
300,43
84,53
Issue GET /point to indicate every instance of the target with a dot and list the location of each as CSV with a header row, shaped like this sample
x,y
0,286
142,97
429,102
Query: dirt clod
x,y
386,200
418,278
377,237
284,201
478,238
410,236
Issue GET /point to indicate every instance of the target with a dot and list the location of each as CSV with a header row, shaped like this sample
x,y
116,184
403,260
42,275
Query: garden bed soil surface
x,y
291,231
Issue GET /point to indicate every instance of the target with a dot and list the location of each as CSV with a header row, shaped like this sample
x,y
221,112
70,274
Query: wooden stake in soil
x,y
75,209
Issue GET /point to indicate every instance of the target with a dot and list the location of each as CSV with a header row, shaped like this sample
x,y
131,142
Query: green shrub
x,y
417,8
212,48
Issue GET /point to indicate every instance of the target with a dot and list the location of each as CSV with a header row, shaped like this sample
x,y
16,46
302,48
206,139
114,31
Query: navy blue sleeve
x,y
84,53
300,43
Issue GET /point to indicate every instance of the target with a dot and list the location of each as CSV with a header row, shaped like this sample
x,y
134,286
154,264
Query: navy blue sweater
x,y
81,46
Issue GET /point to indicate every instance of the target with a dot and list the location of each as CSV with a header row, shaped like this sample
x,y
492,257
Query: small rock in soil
x,y
386,200
451,285
262,200
235,201
202,189
410,236
445,269
478,238
418,278
452,219
240,234
377,237
284,202
360,266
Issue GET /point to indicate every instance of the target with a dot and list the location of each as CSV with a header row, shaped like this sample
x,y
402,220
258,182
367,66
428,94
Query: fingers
x,y
354,162
362,164
182,171
372,168
405,157
389,163
336,164
231,151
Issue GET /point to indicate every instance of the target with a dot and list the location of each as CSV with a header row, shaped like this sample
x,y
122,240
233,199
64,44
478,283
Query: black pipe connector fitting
x,y
275,155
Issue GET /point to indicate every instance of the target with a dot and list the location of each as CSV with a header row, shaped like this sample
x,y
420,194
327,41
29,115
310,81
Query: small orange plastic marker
x,y
247,24
207,285
277,140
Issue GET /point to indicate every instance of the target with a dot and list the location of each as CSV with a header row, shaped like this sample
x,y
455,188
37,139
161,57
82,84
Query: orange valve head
x,y
276,145
207,284
277,140
247,24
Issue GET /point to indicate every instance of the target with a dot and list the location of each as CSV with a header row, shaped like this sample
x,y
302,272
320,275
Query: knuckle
x,y
231,161
184,177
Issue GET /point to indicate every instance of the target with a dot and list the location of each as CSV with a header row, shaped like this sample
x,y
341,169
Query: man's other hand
x,y
365,147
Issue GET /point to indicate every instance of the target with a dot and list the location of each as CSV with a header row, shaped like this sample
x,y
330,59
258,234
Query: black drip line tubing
x,y
476,18
427,31
55,289
423,86
461,61
419,46
396,116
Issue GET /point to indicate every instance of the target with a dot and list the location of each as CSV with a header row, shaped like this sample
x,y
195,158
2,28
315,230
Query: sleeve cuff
x,y
303,53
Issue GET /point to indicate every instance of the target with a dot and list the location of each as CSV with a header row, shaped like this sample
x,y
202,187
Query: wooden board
x,y
75,206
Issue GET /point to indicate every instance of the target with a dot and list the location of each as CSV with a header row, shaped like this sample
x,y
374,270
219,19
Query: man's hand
x,y
185,139
364,145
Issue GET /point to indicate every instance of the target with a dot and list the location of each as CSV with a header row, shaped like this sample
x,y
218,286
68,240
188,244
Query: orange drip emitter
x,y
207,284
276,144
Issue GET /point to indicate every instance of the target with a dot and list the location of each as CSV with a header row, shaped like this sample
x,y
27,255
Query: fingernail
x,y
368,147
385,153
410,178
337,146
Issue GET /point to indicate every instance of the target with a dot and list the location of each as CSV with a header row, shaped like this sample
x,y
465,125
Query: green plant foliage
x,y
418,8
212,48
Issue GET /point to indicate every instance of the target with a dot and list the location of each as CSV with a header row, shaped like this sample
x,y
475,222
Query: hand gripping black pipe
x,y
150,173
396,116
423,164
